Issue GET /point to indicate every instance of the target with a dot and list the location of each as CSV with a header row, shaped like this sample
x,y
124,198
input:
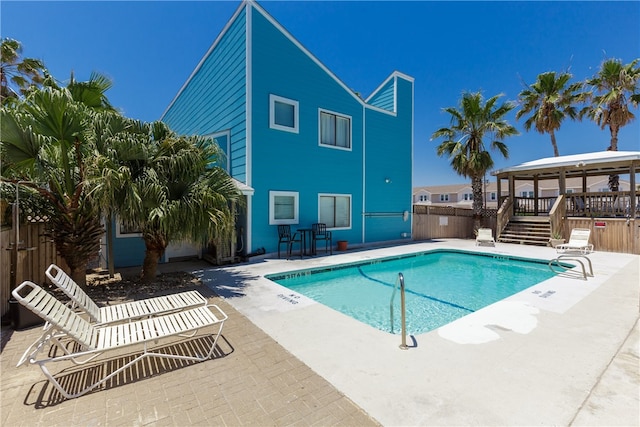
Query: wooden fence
x,y
609,234
434,222
32,263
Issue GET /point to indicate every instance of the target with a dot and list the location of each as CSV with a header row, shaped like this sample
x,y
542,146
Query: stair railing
x,y
503,216
557,214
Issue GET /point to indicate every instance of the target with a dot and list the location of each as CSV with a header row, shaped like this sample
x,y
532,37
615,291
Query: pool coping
x,y
489,370
283,276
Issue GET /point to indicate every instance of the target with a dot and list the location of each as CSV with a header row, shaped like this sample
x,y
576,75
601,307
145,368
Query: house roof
x,y
243,188
598,163
248,4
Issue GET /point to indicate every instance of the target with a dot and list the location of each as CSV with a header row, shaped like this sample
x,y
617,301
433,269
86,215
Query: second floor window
x,y
283,114
335,130
444,197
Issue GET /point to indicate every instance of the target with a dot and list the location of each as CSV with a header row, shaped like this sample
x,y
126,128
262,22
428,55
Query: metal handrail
x,y
403,320
572,257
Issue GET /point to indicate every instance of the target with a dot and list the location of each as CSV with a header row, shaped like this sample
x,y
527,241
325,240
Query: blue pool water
x,y
441,286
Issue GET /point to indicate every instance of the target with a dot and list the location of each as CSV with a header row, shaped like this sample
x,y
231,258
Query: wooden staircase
x,y
527,230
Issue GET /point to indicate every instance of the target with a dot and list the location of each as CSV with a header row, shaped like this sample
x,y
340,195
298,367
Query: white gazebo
x,y
557,210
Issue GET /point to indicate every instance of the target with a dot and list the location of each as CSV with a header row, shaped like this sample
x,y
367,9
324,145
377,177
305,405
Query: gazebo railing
x,y
531,206
591,204
602,204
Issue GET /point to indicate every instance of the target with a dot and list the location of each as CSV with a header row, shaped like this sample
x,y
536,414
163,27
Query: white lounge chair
x,y
485,235
92,341
578,242
126,311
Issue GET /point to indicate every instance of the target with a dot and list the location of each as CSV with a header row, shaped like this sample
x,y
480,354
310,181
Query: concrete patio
x,y
304,364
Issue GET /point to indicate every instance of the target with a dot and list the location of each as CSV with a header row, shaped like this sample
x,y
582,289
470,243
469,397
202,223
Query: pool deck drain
x,y
568,359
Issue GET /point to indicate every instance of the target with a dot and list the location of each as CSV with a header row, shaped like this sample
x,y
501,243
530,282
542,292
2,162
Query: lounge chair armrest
x,y
223,316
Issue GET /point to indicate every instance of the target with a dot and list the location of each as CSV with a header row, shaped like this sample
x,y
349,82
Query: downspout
x,y
412,159
248,118
364,170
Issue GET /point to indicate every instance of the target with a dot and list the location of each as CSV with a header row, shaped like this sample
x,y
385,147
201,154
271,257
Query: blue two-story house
x,y
311,149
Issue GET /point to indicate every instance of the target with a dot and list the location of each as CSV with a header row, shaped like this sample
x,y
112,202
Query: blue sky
x,y
149,48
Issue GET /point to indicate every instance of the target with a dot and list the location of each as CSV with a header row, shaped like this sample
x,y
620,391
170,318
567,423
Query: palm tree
x,y
17,71
464,144
550,101
172,189
43,143
614,88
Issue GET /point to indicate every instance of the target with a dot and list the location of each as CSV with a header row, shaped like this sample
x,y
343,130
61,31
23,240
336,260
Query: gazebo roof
x,y
589,164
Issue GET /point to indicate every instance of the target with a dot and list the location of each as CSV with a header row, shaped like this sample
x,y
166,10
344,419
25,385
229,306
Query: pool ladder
x,y
572,257
400,280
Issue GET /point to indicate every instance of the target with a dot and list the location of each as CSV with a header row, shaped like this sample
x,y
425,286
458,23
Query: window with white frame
x,y
604,190
223,139
468,196
424,198
283,207
126,230
335,210
283,114
569,190
493,196
527,194
335,130
444,197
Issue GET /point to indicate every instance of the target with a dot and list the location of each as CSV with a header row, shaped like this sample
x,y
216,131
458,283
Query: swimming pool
x,y
441,286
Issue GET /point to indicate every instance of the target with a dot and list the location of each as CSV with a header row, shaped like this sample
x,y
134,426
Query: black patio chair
x,y
319,232
285,236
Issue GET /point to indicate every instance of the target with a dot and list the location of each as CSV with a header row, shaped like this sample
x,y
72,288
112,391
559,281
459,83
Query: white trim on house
x,y
243,188
364,175
293,40
204,58
248,144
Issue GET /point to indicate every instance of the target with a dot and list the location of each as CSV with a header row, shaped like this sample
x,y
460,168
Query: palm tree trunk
x,y
614,180
79,275
476,188
155,246
150,265
614,137
556,153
